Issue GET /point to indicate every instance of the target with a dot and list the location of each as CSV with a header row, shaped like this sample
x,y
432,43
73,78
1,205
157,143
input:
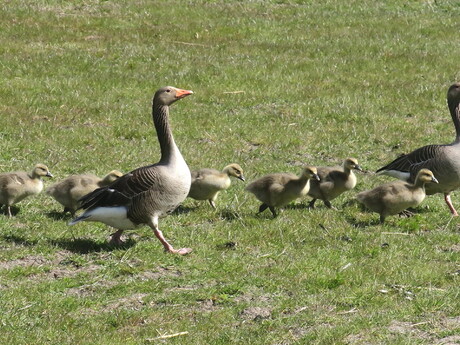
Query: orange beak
x,y
182,93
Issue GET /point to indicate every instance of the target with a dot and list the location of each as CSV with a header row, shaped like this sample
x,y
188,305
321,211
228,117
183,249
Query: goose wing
x,y
416,159
121,191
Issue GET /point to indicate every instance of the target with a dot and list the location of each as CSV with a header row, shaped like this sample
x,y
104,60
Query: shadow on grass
x,y
299,206
14,210
85,246
363,224
229,215
19,240
184,209
56,215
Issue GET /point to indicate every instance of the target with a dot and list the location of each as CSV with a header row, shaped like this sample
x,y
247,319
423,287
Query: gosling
x,y
394,197
279,189
15,186
68,191
334,182
207,183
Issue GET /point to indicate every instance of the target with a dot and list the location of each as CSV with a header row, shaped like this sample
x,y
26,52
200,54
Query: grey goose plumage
x,y
143,195
15,186
394,197
207,183
333,182
72,188
442,160
279,189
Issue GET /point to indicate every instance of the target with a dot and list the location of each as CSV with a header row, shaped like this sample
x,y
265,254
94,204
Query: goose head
x,y
111,176
352,163
310,173
41,170
234,170
426,176
168,95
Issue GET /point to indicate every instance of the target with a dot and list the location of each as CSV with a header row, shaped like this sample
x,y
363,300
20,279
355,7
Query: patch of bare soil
x,y
357,339
451,340
408,328
32,260
61,267
88,290
256,313
160,273
133,302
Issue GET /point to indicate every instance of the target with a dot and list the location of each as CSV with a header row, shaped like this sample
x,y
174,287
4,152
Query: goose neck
x,y
168,147
454,108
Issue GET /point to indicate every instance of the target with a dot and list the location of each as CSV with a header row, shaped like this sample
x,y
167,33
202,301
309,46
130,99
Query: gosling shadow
x,y
181,209
229,215
14,210
56,215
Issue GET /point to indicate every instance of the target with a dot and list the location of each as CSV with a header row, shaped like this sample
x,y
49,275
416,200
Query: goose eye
x,y
168,90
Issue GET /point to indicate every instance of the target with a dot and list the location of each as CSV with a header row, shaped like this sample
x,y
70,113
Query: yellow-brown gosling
x,y
394,197
334,181
15,186
207,183
69,190
279,189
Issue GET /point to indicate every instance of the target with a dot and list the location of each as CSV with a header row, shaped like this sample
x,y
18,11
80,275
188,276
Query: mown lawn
x,y
277,84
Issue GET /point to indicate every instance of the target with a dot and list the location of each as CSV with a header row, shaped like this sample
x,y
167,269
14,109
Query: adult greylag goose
x,y
279,189
394,197
442,160
71,189
207,183
143,195
15,186
333,182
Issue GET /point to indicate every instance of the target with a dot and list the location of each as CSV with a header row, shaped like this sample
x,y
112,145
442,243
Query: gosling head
x,y
426,176
112,176
234,170
41,170
168,95
352,163
311,173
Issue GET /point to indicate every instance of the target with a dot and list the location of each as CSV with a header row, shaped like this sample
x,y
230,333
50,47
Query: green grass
x,y
277,84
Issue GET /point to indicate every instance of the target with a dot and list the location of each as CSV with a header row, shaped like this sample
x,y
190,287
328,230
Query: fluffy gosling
x,y
279,189
334,181
207,183
69,190
15,186
394,197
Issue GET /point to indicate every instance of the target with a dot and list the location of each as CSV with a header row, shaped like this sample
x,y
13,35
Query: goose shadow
x,y
86,246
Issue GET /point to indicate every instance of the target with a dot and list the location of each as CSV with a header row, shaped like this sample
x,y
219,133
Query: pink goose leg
x,y
169,248
449,204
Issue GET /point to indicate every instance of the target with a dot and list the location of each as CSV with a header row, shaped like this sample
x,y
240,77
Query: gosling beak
x,y
241,177
434,179
316,177
180,93
48,174
358,167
